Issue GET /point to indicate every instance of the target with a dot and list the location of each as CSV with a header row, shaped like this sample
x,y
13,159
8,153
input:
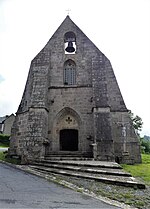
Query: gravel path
x,y
138,198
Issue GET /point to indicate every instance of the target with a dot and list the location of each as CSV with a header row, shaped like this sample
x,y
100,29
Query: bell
x,y
70,47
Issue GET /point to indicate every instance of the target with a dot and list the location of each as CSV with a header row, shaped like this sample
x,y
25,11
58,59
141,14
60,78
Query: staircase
x,y
68,155
107,172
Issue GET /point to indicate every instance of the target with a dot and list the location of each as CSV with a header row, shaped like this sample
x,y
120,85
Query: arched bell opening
x,y
70,43
68,139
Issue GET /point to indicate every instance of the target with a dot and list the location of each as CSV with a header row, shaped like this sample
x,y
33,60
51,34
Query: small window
x,y
69,72
70,43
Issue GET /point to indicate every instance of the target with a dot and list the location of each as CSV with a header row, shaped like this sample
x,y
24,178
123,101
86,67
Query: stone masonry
x,y
72,104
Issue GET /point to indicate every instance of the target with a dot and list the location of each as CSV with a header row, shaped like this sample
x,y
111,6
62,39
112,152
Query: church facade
x,y
72,104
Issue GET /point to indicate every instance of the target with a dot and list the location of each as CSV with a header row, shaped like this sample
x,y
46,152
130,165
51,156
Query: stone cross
x,y
69,120
68,11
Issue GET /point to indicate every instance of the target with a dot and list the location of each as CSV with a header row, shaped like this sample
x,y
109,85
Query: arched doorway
x,y
68,140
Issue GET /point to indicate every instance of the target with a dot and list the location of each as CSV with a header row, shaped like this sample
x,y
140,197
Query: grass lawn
x,y
9,160
4,140
140,170
2,156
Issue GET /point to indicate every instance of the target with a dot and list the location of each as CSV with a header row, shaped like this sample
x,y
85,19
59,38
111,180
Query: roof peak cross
x,y
68,11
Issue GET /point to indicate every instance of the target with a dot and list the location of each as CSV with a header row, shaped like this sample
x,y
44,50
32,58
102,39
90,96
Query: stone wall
x,y
8,122
18,133
75,100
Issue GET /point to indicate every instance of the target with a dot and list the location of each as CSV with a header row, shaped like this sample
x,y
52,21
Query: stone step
x,y
84,163
77,158
111,179
67,155
87,169
70,153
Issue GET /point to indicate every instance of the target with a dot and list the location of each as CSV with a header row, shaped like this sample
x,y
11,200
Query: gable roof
x,y
2,119
68,25
68,22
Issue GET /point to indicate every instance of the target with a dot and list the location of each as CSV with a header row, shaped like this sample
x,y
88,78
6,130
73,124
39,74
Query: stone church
x,y
72,105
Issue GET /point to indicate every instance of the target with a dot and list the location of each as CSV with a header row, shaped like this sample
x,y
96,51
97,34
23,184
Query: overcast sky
x,y
119,28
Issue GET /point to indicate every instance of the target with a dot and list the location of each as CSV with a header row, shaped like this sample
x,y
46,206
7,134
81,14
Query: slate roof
x,y
2,119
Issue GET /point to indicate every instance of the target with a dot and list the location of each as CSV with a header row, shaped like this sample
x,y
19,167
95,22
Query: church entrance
x,y
69,140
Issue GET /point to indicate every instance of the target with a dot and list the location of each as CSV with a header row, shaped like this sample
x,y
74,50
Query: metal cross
x,y
68,10
69,120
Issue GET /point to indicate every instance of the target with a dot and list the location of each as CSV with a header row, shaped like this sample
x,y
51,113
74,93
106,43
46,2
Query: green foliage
x,y
145,145
4,140
4,157
137,121
140,170
145,141
145,159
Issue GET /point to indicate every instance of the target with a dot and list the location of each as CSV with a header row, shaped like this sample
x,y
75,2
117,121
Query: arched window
x,y
69,72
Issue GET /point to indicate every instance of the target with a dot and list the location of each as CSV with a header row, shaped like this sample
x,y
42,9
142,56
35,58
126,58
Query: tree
x,y
137,122
145,145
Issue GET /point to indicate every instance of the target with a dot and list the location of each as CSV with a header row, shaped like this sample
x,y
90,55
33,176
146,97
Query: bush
x,y
4,140
145,145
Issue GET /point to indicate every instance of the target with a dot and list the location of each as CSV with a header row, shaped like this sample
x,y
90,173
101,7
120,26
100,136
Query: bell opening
x,y
70,42
70,48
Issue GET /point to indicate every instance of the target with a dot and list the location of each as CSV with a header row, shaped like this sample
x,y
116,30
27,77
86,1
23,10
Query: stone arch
x,y
70,36
66,119
65,111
